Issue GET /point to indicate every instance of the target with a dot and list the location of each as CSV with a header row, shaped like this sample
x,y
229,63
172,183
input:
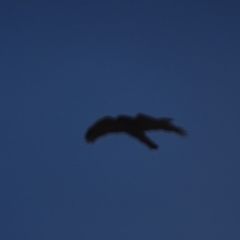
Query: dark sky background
x,y
64,64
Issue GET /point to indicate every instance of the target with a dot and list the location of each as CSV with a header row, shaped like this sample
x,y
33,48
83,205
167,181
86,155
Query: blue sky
x,y
64,64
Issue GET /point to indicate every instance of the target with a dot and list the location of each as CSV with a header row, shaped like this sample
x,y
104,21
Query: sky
x,y
65,64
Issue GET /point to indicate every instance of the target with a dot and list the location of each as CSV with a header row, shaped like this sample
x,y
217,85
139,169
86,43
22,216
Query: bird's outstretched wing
x,y
146,123
101,127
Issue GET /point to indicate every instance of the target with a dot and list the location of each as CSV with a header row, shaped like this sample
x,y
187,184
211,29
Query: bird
x,y
134,126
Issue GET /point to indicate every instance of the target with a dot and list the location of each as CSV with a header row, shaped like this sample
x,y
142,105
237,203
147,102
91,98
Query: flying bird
x,y
134,126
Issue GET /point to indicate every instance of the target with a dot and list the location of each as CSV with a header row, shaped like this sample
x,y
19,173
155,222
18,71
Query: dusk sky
x,y
65,64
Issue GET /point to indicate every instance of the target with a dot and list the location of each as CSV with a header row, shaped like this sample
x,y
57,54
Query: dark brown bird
x,y
134,126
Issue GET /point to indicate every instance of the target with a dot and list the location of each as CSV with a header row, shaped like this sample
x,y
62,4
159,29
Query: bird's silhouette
x,y
134,126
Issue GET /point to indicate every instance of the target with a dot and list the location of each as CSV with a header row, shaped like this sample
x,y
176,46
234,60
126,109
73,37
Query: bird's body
x,y
134,126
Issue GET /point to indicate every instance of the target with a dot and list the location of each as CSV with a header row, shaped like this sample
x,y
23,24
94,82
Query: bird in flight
x,y
134,126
